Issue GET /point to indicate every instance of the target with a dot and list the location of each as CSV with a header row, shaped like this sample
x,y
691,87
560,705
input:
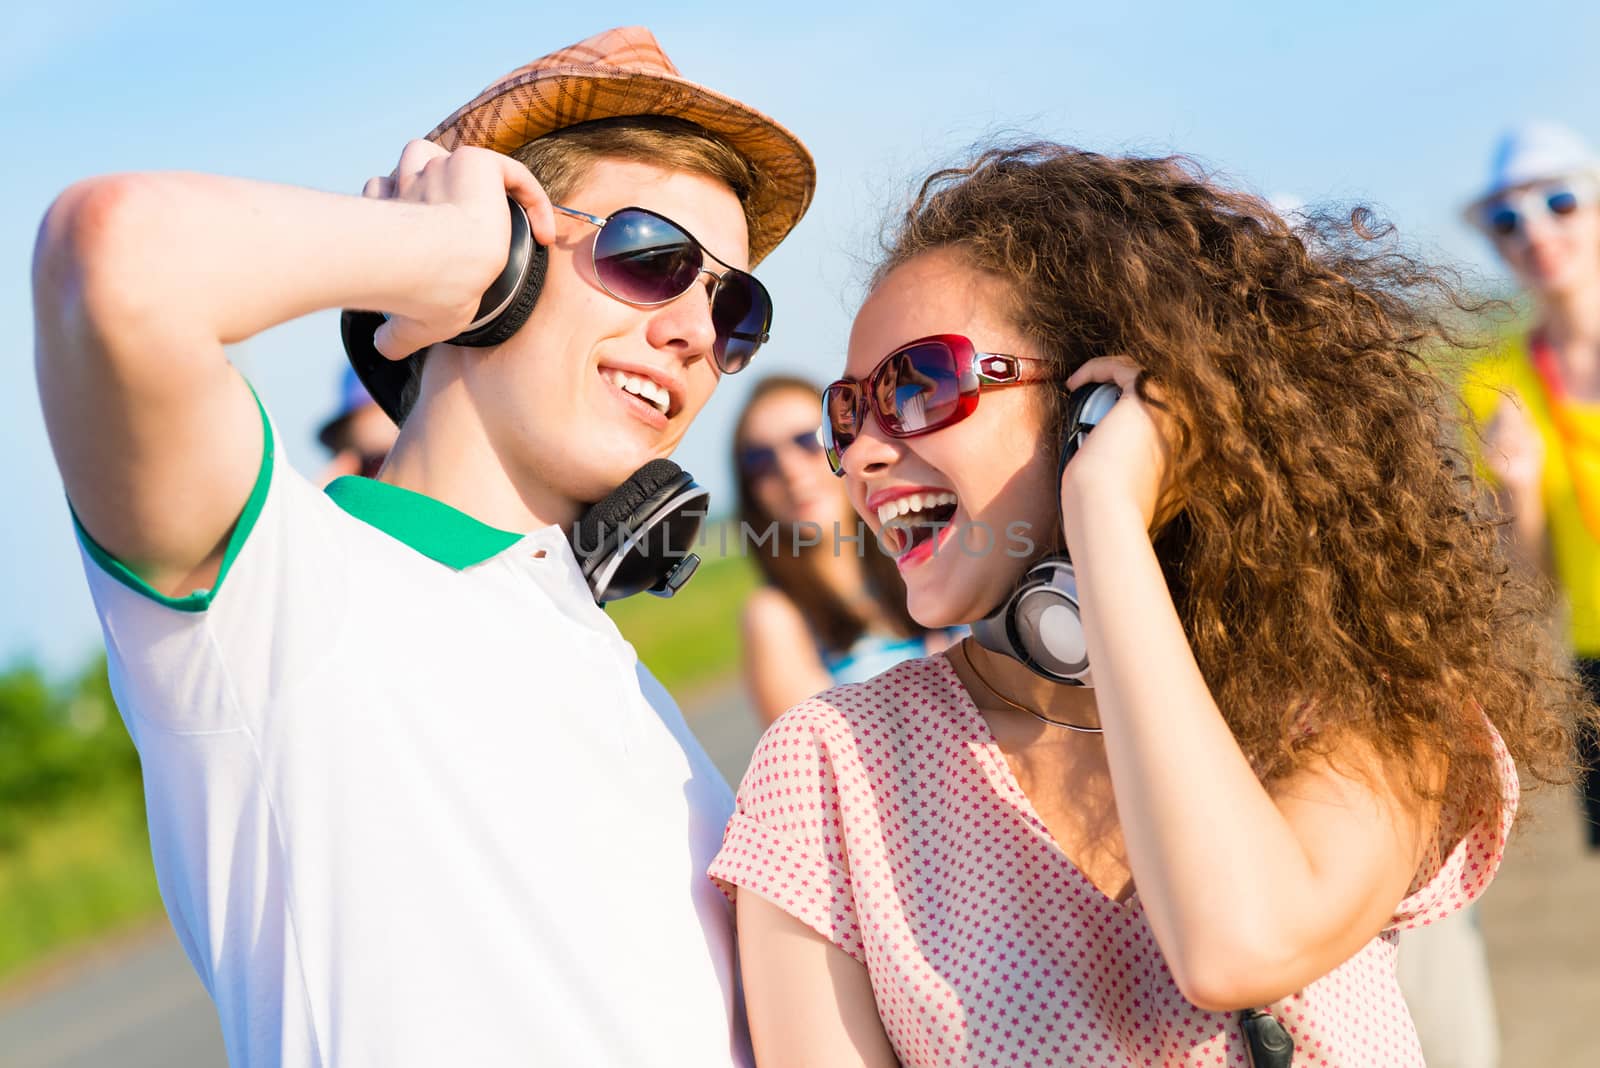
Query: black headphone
x,y
505,306
1039,623
638,537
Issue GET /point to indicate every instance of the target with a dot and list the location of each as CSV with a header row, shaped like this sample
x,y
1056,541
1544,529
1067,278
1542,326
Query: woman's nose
x,y
872,451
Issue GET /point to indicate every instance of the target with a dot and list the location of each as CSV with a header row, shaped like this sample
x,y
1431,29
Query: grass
x,y
692,640
76,873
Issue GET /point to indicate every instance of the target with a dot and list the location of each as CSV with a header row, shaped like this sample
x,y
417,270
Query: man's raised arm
x,y
141,279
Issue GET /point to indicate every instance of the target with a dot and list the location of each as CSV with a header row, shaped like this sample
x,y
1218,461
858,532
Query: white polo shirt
x,y
414,801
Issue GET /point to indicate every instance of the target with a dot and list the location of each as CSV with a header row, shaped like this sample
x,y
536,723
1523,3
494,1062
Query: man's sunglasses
x,y
924,386
1508,215
645,259
759,461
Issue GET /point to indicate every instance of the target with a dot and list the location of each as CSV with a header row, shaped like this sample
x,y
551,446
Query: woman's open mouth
x,y
915,521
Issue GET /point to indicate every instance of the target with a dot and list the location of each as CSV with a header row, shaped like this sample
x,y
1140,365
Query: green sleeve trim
x,y
199,600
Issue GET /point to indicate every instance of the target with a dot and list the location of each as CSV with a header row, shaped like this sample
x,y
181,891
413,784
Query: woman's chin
x,y
937,612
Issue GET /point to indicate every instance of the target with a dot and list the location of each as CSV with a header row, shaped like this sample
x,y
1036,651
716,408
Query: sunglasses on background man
x,y
1508,215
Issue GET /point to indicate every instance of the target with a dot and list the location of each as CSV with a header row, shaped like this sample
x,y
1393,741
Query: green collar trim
x,y
432,528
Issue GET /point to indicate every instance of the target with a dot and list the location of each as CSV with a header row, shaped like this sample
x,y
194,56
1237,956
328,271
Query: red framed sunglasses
x,y
645,259
923,386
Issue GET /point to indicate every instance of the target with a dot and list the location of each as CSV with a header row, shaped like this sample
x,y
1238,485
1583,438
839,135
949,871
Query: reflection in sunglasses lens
x,y
647,260
926,388
741,313
644,259
839,422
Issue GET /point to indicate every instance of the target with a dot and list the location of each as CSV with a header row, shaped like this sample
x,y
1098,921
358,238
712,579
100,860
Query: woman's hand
x,y
1128,454
472,184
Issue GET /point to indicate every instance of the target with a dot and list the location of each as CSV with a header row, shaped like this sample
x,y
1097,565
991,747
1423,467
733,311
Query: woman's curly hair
x,y
1336,565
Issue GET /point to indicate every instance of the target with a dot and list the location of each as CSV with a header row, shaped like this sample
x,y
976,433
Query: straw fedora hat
x,y
624,72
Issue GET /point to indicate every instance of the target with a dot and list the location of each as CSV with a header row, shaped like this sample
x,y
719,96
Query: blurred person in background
x,y
359,435
1538,211
833,608
1538,396
1537,400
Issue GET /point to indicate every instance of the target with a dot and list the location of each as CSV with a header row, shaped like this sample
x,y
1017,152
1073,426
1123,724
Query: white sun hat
x,y
1534,152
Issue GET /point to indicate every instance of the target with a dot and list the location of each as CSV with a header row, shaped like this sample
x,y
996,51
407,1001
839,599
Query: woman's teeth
x,y
642,388
916,502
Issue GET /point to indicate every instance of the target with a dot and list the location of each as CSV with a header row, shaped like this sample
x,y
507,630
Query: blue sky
x,y
1394,104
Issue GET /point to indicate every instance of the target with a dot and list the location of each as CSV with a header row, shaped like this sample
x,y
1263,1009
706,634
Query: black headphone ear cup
x,y
509,321
384,379
638,538
597,529
526,264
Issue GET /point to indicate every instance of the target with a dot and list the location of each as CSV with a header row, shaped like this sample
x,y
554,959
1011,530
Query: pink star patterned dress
x,y
884,816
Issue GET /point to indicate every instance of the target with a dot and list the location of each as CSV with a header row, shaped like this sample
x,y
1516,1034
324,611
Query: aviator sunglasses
x,y
921,387
645,259
1508,215
759,461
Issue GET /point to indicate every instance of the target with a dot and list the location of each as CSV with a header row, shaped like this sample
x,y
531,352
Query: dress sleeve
x,y
1447,882
786,840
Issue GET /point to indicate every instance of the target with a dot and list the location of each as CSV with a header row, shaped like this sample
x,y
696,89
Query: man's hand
x,y
472,183
140,280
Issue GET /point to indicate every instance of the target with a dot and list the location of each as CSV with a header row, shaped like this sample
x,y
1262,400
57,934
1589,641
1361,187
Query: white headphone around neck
x,y
1039,623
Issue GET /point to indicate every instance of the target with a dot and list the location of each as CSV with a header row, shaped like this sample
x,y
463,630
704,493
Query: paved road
x,y
142,1007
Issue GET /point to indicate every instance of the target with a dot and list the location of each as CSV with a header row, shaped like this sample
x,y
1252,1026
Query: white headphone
x,y
1039,624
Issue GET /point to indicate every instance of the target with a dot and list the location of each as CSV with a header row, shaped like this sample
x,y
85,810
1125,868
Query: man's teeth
x,y
640,387
916,502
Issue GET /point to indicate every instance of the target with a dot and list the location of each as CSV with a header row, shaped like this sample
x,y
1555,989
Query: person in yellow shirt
x,y
1538,396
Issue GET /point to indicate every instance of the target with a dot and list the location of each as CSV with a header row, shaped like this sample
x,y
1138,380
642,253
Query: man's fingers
x,y
399,338
414,159
527,191
378,189
416,155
